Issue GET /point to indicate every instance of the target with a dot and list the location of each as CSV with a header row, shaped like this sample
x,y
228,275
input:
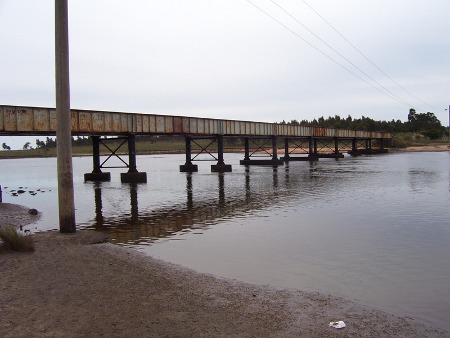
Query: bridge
x,y
259,138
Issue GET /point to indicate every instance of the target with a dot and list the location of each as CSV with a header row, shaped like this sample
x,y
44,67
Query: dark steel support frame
x,y
260,148
298,145
331,144
219,167
132,176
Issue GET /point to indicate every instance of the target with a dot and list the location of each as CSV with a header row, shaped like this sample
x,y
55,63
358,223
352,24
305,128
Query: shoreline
x,y
76,285
431,148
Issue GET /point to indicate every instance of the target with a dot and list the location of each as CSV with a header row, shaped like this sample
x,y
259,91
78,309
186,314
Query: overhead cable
x,y
365,56
379,87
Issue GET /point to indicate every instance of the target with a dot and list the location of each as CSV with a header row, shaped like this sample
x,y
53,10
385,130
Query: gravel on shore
x,y
76,285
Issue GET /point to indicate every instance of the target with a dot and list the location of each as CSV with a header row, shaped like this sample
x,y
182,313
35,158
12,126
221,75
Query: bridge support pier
x,y
188,167
132,176
355,151
312,149
274,161
300,145
334,149
220,167
96,175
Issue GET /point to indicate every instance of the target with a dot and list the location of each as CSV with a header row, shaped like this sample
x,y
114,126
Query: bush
x,y
14,241
433,134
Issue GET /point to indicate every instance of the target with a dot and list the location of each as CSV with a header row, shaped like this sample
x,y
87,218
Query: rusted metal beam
x,y
19,120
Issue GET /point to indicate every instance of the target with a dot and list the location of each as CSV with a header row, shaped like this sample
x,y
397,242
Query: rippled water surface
x,y
375,229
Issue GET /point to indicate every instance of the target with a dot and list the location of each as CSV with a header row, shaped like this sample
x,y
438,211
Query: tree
x,y
27,146
5,146
49,143
40,144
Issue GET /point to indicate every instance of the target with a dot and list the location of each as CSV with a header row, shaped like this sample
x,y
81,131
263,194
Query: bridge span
x,y
259,138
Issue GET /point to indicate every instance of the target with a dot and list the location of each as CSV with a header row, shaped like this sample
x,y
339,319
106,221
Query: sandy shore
x,y
78,286
441,147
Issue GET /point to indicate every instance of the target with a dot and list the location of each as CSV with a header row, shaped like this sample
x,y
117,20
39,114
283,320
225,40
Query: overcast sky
x,y
228,59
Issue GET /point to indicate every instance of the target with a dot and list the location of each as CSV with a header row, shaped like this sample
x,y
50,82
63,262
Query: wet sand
x,y
75,285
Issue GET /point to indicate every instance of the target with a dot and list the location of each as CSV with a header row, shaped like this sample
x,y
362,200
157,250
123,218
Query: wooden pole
x,y
63,120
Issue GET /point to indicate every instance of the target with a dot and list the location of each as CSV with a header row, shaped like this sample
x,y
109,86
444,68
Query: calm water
x,y
373,229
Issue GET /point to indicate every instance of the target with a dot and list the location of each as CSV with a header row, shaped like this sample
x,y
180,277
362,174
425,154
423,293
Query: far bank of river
x,y
85,151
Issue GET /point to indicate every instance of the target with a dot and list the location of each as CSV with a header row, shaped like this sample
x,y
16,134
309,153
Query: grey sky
x,y
227,59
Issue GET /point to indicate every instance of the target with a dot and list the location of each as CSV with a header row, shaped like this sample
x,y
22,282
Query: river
x,y
374,229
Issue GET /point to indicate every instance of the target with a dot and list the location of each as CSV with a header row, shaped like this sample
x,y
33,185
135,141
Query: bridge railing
x,y
21,120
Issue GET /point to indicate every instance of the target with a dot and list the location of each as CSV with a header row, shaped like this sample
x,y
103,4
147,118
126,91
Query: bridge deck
x,y
20,120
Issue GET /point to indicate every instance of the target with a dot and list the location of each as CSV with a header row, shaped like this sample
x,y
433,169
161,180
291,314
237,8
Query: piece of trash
x,y
337,325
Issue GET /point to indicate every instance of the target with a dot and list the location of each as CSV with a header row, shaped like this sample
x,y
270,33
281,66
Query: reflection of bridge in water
x,y
141,227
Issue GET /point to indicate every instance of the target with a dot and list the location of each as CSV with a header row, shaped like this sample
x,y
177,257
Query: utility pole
x,y
63,120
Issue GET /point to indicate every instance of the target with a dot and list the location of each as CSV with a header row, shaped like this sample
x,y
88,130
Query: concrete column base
x,y
333,155
97,177
295,158
188,168
221,168
136,177
262,162
313,158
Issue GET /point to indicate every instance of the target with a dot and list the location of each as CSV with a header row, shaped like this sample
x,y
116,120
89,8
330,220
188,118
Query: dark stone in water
x,y
20,191
33,212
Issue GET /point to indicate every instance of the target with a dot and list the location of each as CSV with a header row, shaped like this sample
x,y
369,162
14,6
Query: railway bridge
x,y
260,139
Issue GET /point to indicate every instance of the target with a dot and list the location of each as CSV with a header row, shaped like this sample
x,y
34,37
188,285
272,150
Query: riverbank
x,y
39,153
75,285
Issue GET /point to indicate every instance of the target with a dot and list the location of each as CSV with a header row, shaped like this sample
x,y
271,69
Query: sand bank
x,y
78,286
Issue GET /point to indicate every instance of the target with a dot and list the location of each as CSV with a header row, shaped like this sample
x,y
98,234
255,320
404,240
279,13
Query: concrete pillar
x,y
97,174
274,148
132,176
220,167
246,149
312,152
286,150
188,167
132,154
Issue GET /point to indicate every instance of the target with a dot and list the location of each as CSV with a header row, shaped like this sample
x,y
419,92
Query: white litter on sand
x,y
337,325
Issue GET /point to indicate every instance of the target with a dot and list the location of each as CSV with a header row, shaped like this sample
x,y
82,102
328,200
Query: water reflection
x,y
146,226
197,214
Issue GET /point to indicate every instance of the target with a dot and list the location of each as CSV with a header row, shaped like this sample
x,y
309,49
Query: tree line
x,y
426,124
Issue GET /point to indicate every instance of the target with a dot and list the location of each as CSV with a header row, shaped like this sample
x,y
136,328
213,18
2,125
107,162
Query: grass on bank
x,y
12,240
177,145
403,140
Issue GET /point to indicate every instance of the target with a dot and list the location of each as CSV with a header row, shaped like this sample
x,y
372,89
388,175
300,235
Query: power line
x,y
366,57
385,92
338,53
